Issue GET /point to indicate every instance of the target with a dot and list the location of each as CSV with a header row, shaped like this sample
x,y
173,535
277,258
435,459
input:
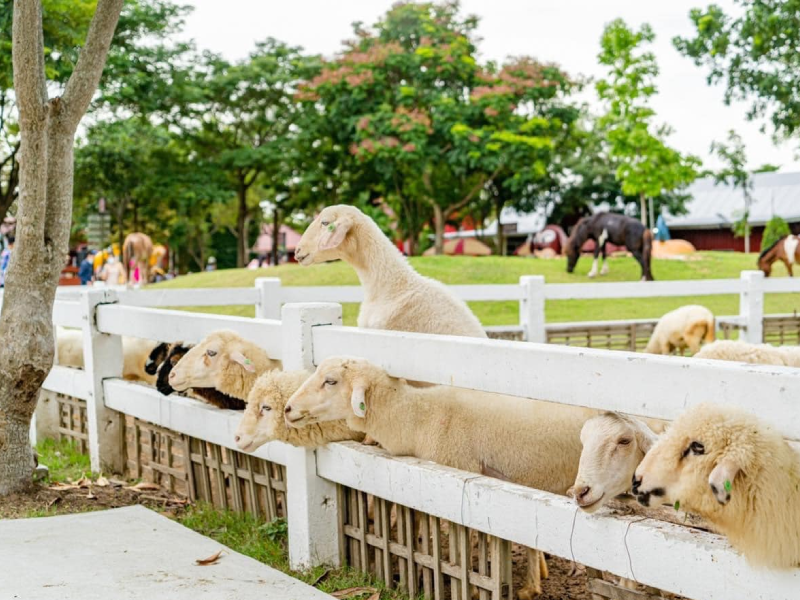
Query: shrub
x,y
776,228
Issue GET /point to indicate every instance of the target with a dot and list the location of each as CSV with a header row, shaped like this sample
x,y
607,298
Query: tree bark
x,y
499,203
643,208
47,132
438,228
276,236
241,225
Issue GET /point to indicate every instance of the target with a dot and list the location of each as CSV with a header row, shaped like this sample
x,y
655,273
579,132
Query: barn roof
x,y
722,205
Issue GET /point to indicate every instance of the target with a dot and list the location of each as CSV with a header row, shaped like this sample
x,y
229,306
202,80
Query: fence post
x,y
751,306
531,308
269,298
313,514
102,359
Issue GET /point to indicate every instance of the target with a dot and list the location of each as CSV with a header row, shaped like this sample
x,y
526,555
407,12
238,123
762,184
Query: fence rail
x,y
674,558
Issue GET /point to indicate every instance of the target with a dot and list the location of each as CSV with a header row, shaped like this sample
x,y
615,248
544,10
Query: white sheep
x,y
685,327
263,421
761,354
459,428
135,353
613,446
223,360
396,297
737,472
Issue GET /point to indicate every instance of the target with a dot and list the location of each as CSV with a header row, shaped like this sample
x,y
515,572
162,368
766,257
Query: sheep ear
x,y
333,234
358,400
241,359
721,479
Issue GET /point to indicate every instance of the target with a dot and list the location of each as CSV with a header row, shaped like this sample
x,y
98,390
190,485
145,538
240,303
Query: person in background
x,y
5,257
86,270
212,264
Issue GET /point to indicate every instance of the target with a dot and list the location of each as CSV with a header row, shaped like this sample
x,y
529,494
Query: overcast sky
x,y
564,31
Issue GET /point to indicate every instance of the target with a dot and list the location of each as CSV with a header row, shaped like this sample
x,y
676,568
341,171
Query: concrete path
x,y
129,553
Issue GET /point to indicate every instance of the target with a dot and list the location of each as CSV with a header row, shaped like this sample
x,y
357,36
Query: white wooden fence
x,y
673,558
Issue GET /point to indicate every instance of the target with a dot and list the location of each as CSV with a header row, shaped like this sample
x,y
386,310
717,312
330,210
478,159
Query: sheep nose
x,y
172,374
584,491
636,482
237,438
288,410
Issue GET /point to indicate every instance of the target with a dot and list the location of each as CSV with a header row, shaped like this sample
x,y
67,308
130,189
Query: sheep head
x,y
701,462
263,421
613,446
202,366
157,356
327,239
337,390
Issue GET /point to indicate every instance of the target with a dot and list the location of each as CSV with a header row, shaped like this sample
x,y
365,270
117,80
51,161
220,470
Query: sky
x,y
563,31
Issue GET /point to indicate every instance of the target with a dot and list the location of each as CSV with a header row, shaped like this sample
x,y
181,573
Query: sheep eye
x,y
325,223
695,448
624,442
330,382
211,352
265,409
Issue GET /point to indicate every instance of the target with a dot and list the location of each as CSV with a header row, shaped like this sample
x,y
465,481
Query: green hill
x,y
495,269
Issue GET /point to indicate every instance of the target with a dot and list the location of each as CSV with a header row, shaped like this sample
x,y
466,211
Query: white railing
x,y
670,557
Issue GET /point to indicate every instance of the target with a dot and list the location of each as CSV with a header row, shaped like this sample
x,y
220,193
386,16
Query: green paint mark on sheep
x,y
362,406
332,227
728,485
677,504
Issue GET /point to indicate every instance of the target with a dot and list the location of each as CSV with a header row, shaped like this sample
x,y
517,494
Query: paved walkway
x,y
129,553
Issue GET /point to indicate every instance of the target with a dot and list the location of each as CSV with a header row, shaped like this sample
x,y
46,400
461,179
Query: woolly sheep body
x,y
396,297
734,470
685,327
135,352
761,354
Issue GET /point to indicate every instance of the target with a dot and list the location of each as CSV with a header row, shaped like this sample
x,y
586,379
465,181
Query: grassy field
x,y
495,269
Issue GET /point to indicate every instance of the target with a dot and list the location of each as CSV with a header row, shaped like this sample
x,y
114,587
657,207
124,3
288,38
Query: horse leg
x,y
640,259
593,272
788,266
604,270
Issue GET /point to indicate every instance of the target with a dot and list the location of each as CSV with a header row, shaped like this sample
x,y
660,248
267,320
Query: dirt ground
x,y
564,582
85,495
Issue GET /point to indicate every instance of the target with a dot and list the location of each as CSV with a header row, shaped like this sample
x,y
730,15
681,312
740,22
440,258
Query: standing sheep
x,y
735,471
135,352
396,297
458,428
263,422
225,361
685,327
759,354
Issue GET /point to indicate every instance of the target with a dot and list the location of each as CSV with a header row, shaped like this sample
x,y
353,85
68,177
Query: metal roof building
x,y
713,209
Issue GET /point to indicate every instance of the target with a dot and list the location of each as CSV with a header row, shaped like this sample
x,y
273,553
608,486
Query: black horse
x,y
617,229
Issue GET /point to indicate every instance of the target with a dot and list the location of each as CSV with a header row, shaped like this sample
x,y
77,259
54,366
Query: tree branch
x,y
477,188
85,78
27,43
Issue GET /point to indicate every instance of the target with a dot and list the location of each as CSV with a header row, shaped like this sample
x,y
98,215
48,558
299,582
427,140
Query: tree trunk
x,y
501,238
438,228
276,235
47,129
747,237
643,208
241,226
121,228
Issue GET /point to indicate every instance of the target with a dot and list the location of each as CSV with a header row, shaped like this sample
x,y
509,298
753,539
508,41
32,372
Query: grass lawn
x,y
495,269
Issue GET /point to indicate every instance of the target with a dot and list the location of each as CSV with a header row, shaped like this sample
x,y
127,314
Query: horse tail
x,y
127,254
647,249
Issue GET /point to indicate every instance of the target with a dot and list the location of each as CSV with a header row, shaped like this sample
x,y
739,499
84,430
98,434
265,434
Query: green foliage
x,y
735,173
276,530
64,459
647,166
753,51
775,229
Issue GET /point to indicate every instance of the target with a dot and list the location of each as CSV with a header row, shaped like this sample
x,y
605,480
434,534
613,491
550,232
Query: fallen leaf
x,y
355,591
83,482
210,560
375,596
91,496
144,487
323,576
54,501
102,481
117,483
58,486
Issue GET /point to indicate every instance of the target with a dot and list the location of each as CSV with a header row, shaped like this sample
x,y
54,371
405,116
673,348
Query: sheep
x,y
458,428
135,352
263,422
762,354
225,361
613,446
737,472
685,327
396,297
161,362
